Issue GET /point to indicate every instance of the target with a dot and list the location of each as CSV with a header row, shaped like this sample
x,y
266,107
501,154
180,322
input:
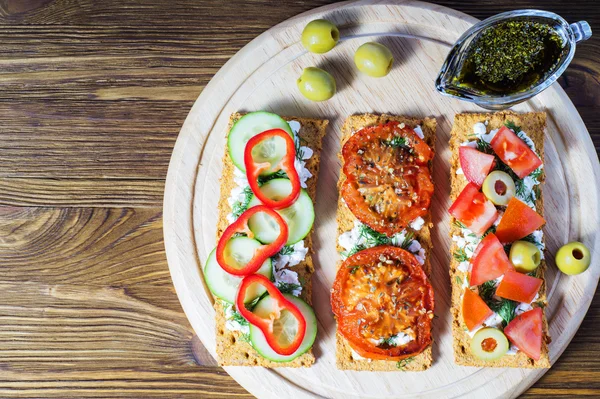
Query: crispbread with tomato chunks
x,y
345,222
533,124
232,350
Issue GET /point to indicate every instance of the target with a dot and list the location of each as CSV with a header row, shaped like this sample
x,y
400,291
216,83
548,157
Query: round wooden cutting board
x,y
262,76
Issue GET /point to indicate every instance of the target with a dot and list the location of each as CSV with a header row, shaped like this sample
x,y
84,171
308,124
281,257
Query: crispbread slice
x,y
533,124
231,350
345,221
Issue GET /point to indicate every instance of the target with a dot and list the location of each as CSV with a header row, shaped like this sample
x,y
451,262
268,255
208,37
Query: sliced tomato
x,y
515,152
518,221
379,293
489,261
525,332
475,310
476,165
388,183
518,287
474,210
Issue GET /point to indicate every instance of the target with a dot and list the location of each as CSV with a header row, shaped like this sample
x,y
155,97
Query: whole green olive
x,y
525,256
374,59
320,36
316,84
573,258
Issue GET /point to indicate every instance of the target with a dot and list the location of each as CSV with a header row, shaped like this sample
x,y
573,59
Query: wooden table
x,y
92,96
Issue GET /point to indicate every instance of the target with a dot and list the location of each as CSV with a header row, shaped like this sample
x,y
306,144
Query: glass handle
x,y
581,30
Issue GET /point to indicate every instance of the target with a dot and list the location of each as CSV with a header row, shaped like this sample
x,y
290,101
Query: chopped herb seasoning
x,y
510,57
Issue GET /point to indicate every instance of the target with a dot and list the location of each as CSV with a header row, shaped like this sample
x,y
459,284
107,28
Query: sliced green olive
x,y
320,36
525,256
316,84
573,258
374,59
489,344
498,187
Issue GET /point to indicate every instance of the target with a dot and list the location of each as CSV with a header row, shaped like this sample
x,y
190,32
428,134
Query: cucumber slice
x,y
224,285
249,126
285,328
299,217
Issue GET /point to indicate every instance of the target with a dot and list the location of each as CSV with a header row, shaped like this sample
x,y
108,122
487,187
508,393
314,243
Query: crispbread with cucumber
x,y
260,272
384,239
497,266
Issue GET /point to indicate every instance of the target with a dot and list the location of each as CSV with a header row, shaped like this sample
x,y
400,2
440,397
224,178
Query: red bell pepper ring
x,y
262,253
254,170
266,324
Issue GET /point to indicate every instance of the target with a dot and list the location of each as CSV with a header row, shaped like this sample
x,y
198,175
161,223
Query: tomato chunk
x,y
474,210
489,261
525,332
518,221
515,152
518,287
476,165
475,310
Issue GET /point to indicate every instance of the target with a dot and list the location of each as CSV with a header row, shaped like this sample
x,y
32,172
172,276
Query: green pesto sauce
x,y
510,57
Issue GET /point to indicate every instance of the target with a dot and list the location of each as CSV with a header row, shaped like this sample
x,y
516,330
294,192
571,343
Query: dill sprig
x,y
408,239
298,148
504,307
397,142
286,250
288,288
240,207
401,364
459,224
387,341
460,255
280,174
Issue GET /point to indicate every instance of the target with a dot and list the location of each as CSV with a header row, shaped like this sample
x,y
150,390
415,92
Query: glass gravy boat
x,y
568,33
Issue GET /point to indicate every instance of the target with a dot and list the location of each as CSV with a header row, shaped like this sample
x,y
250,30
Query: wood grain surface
x,y
92,96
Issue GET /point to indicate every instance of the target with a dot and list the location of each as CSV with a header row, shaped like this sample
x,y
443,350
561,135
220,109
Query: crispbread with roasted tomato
x,y
480,267
346,358
379,293
388,183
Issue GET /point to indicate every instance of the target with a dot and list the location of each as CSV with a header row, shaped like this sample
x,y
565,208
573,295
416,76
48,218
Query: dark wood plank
x,y
113,193
107,247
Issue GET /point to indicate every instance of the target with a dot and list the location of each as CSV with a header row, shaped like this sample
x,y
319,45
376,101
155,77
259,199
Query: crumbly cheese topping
x,y
468,241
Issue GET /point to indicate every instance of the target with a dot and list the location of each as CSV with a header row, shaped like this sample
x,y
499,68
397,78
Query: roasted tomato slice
x,y
525,331
383,303
388,183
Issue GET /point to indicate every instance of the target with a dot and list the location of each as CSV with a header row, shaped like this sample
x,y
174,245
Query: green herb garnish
x,y
288,288
401,364
460,255
504,307
240,207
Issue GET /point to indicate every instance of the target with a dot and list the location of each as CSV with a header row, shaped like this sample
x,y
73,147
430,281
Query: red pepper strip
x,y
262,253
266,325
253,170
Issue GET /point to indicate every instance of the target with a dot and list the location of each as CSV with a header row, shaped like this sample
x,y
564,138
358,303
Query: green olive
x,y
525,256
320,36
489,344
374,59
498,187
316,84
573,258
